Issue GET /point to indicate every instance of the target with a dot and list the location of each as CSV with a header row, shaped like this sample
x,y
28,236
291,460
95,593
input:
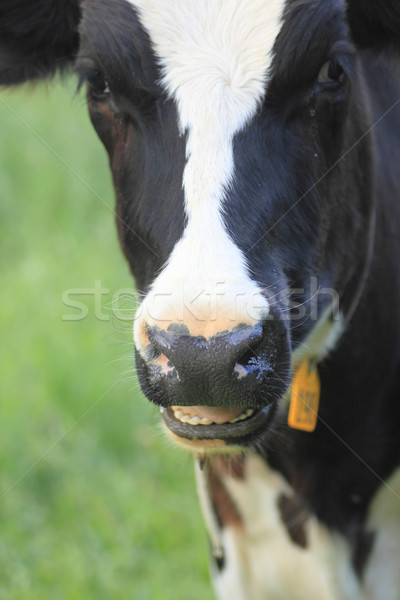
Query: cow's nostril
x,y
247,358
250,362
162,361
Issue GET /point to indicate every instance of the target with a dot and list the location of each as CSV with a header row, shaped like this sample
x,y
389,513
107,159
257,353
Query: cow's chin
x,y
206,429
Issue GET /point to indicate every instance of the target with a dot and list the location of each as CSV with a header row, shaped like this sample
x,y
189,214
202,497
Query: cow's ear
x,y
374,22
37,38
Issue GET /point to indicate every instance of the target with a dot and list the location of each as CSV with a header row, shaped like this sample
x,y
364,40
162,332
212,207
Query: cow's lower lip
x,y
230,433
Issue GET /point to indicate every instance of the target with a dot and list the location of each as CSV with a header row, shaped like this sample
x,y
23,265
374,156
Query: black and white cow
x,y
255,151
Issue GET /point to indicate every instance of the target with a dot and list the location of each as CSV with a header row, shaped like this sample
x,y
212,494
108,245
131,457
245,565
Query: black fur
x,y
36,38
375,22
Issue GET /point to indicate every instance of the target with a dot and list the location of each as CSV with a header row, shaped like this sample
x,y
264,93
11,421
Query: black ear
x,y
374,22
37,37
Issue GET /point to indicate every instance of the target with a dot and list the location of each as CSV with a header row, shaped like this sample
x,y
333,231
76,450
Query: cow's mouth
x,y
211,428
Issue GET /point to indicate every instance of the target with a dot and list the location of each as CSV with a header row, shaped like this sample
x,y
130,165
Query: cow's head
x,y
236,132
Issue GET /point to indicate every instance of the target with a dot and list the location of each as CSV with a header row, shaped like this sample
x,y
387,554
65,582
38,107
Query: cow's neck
x,y
315,495
339,467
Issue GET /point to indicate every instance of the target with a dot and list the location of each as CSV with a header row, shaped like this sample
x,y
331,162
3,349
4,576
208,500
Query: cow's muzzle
x,y
223,388
185,426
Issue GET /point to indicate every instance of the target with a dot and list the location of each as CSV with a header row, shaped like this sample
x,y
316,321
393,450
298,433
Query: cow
x,y
254,148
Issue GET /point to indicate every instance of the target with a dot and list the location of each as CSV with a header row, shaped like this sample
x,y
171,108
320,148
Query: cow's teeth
x,y
185,418
243,416
204,421
178,414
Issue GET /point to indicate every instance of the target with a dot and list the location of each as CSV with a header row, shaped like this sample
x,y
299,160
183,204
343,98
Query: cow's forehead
x,y
217,52
214,58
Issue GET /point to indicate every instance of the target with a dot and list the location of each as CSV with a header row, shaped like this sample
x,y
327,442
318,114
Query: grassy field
x,y
94,503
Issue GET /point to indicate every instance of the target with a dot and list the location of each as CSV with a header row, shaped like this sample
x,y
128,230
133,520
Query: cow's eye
x,y
98,86
331,74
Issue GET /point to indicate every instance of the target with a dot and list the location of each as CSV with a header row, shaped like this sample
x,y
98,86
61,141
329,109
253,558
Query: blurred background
x,y
94,501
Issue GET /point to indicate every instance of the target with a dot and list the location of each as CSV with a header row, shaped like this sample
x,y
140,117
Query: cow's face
x,y
226,124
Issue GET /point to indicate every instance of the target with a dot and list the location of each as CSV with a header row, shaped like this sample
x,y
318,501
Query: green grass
x,y
94,503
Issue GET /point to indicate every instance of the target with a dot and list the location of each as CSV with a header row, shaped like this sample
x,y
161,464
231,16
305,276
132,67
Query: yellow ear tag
x,y
304,400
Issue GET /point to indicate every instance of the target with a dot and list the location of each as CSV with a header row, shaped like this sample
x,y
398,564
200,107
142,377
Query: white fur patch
x,y
382,575
262,562
215,57
322,339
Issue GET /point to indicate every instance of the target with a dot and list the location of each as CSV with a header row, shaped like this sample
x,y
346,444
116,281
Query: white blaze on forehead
x,y
214,56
